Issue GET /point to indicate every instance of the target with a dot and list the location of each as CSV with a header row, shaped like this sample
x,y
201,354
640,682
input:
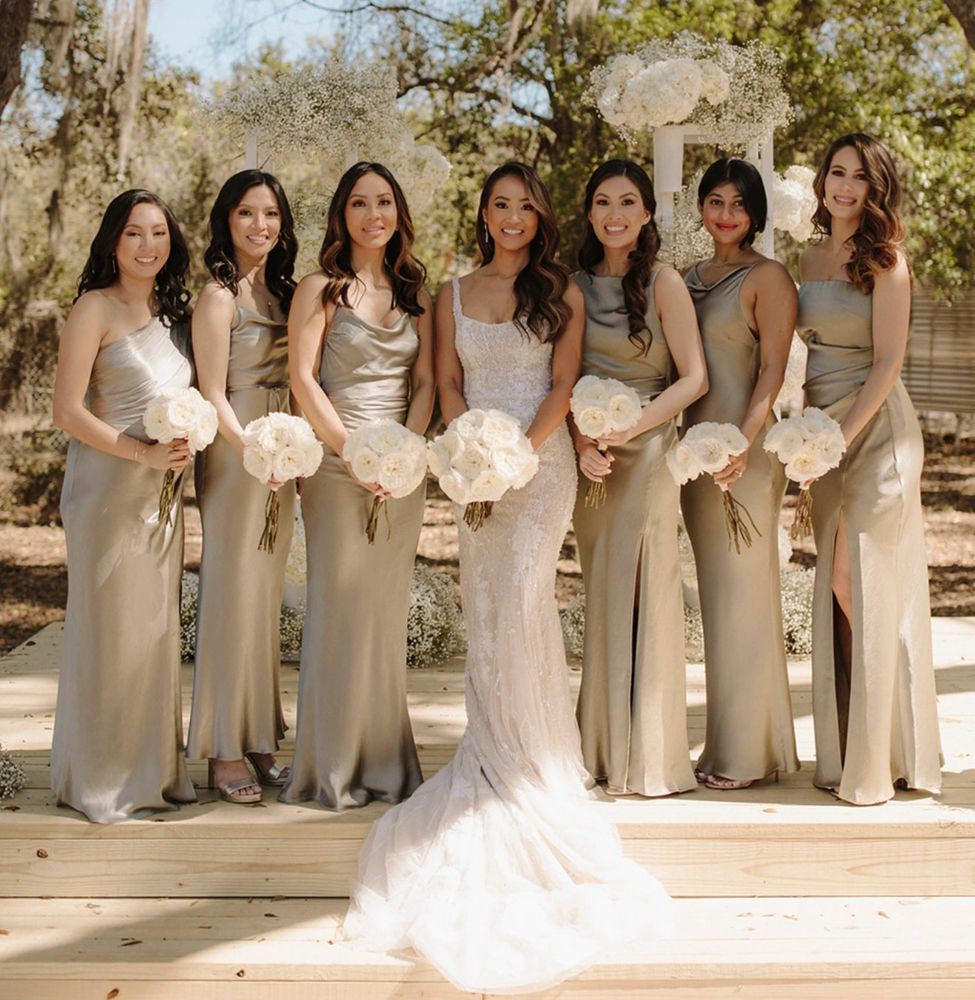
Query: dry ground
x,y
33,581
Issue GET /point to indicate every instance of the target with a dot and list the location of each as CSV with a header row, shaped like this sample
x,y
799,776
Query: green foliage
x,y
36,458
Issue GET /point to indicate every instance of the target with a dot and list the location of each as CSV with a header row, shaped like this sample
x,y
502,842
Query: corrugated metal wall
x,y
940,368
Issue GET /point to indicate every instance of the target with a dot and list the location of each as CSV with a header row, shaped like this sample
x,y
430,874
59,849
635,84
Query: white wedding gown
x,y
497,870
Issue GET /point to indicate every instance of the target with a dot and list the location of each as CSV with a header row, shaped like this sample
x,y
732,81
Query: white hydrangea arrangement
x,y
734,93
175,414
13,777
794,202
707,447
602,406
478,458
808,446
385,452
279,446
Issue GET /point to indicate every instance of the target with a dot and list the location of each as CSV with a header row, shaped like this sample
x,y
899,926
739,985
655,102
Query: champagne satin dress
x,y
236,703
749,732
118,729
632,705
892,724
354,742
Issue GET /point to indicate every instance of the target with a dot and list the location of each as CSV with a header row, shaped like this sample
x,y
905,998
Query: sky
x,y
211,35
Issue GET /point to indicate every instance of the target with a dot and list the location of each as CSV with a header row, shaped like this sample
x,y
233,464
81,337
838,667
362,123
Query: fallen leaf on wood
x,y
126,944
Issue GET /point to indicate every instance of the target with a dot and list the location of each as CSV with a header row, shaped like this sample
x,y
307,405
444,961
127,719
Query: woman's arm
x,y
774,305
566,362
450,374
891,301
87,325
422,380
212,320
307,324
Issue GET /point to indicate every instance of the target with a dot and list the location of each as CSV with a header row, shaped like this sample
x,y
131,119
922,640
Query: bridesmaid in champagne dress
x,y
240,344
361,348
874,703
118,730
640,329
746,309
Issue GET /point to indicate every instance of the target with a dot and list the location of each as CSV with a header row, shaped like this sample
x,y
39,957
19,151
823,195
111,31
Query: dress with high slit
x,y
632,704
891,724
118,729
497,870
749,731
236,702
353,741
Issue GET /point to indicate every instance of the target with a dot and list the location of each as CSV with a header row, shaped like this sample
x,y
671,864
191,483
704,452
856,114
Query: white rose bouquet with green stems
x,y
478,458
602,406
808,446
385,452
707,448
176,414
279,447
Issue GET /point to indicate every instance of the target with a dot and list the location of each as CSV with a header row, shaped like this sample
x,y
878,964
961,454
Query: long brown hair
x,y
877,241
641,258
540,306
406,274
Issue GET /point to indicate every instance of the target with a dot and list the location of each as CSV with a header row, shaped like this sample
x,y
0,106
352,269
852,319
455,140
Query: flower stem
x,y
166,495
596,494
735,515
271,511
475,514
378,504
802,522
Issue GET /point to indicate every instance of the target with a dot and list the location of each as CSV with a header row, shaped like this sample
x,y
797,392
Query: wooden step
x,y
769,840
271,949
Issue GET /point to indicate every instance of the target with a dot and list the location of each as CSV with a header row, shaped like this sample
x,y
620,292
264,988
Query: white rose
x,y
715,85
785,439
828,448
624,410
528,469
682,463
387,437
499,430
204,429
816,421
805,466
708,448
271,436
488,485
469,423
288,463
312,455
155,420
399,474
473,460
438,457
732,437
258,463
592,421
365,465
456,486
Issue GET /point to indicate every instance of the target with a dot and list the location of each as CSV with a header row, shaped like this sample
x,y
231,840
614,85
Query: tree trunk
x,y
964,11
15,17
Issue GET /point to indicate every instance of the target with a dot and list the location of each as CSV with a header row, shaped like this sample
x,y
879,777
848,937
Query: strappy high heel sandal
x,y
274,776
233,791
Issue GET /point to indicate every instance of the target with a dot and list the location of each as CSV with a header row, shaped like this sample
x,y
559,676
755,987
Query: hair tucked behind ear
x,y
406,274
540,306
100,269
641,258
877,241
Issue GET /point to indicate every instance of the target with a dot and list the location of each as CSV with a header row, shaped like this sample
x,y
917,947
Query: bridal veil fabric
x,y
497,870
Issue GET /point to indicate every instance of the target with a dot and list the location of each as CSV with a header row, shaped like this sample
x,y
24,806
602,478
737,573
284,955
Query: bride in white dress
x,y
497,870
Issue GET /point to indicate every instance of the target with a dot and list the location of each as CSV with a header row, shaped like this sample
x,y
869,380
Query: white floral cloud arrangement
x,y
794,202
733,92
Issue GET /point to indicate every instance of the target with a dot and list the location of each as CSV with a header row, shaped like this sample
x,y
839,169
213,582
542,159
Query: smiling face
x,y
370,213
618,214
143,248
510,214
846,187
724,215
254,223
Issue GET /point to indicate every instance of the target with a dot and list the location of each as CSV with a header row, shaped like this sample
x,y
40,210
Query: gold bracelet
x,y
141,448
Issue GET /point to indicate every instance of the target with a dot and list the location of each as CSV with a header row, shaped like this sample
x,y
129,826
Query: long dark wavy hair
x,y
878,238
748,181
641,258
101,271
406,274
219,255
540,306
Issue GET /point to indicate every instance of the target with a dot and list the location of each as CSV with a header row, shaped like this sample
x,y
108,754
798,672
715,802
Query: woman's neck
x,y
507,264
615,262
369,266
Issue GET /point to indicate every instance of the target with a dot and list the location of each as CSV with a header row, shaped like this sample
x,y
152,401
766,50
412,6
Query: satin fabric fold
x,y
632,703
118,734
236,701
892,724
749,731
353,741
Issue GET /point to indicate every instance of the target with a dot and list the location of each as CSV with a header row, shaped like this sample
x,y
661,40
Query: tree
x,y
15,17
964,11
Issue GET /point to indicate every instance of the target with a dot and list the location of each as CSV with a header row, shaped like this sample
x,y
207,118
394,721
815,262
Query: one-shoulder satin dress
x,y
749,732
236,703
632,703
892,725
353,741
118,729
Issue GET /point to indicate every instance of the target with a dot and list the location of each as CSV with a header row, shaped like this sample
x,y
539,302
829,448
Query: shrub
x,y
12,775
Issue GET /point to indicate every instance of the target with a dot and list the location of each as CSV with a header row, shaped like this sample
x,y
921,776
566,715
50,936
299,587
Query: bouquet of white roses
x,y
708,447
481,455
385,452
279,447
808,446
602,406
175,414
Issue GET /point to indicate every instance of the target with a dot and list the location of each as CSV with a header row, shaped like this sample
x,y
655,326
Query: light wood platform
x,y
843,900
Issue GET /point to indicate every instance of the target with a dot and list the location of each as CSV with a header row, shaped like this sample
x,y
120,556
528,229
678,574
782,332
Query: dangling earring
x,y
114,265
487,232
